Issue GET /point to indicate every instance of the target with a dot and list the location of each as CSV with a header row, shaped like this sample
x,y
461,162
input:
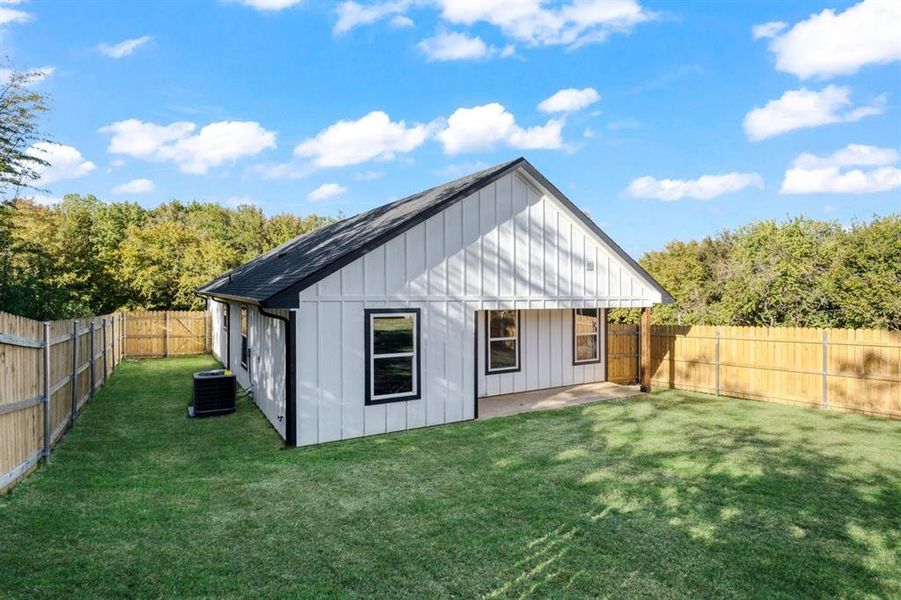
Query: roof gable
x,y
274,279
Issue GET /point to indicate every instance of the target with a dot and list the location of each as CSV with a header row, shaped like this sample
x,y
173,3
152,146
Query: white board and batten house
x,y
406,315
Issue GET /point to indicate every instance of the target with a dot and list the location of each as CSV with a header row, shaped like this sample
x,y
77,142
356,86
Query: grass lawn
x,y
673,495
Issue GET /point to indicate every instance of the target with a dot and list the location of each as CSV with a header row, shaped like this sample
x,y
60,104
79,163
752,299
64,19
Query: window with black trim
x,y
586,336
501,341
244,336
392,355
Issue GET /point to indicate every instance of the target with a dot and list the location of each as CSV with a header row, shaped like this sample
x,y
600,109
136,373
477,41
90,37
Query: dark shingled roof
x,y
275,278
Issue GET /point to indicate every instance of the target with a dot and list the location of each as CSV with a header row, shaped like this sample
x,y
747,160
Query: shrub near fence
x,y
854,370
51,369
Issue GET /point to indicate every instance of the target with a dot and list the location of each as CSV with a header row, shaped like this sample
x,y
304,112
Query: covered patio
x,y
586,393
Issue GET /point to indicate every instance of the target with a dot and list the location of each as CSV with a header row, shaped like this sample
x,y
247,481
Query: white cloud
x,y
528,21
768,30
34,76
852,155
326,191
484,127
65,162
447,46
135,186
830,43
353,14
214,144
353,142
588,133
811,174
270,5
13,15
798,109
402,21
123,48
569,100
833,181
702,188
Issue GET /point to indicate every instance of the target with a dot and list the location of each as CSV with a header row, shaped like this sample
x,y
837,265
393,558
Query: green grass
x,y
673,495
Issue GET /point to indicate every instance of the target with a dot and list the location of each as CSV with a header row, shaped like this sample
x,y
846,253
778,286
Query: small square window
x,y
392,355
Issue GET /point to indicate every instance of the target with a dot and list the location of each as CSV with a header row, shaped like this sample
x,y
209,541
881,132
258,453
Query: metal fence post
x,y
46,390
93,354
103,339
167,334
825,369
74,384
716,360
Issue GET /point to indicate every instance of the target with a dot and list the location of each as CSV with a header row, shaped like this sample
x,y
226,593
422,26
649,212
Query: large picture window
x,y
392,355
502,341
244,336
586,336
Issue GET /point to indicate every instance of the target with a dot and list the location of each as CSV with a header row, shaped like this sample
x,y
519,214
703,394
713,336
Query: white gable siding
x,y
507,246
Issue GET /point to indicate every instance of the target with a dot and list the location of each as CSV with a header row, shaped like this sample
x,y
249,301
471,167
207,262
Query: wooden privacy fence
x,y
167,333
51,369
853,370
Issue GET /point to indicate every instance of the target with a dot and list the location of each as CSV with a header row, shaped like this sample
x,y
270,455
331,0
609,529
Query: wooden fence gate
x,y
167,333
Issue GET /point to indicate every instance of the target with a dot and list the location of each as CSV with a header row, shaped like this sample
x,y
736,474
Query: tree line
x,y
83,256
798,273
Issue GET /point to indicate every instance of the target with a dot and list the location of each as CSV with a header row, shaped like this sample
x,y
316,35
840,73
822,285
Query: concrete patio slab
x,y
511,404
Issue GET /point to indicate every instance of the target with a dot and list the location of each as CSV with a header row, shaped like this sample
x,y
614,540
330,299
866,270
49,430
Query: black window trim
x,y
591,361
518,367
416,394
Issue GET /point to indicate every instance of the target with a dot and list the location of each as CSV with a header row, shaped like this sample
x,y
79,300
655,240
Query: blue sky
x,y
675,120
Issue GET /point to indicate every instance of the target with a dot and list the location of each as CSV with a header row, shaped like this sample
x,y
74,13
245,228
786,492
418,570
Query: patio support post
x,y
74,384
645,350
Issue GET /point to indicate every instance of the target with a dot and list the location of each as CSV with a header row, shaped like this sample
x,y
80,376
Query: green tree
x,y
20,107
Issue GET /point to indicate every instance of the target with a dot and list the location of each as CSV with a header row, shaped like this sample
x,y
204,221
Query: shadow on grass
x,y
724,509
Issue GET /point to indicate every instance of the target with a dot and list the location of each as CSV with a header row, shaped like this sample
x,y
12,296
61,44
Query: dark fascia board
x,y
288,297
241,299
537,176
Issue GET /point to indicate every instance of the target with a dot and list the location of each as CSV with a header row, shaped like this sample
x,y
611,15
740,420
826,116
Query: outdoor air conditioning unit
x,y
214,393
